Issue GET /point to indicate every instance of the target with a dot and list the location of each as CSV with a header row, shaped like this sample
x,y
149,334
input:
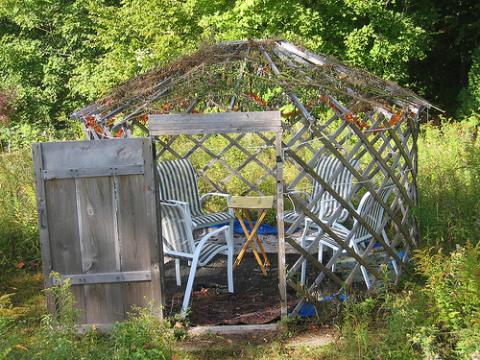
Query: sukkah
x,y
328,110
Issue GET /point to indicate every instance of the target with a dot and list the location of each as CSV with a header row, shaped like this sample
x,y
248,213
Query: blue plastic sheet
x,y
308,310
264,229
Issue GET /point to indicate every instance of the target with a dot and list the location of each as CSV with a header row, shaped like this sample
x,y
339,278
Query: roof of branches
x,y
251,76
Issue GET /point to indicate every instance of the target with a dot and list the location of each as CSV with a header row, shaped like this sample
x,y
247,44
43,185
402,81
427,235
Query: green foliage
x,y
57,55
449,184
142,336
454,284
438,320
470,96
454,34
42,43
57,333
18,136
9,314
18,214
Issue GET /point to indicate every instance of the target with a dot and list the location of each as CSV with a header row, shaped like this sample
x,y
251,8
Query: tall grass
x,y
142,336
449,185
19,243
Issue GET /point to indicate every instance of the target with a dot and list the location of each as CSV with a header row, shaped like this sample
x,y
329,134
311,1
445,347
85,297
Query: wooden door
x,y
99,224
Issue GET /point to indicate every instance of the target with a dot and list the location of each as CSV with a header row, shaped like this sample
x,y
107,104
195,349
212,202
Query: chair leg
x,y
188,289
320,252
394,262
362,268
230,235
177,272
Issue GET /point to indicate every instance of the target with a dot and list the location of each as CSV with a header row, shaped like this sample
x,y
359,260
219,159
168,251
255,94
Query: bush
x,y
435,320
142,337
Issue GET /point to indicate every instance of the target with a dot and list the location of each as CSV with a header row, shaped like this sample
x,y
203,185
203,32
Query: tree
x,y
41,44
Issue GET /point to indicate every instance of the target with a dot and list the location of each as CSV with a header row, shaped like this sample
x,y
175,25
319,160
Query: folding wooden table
x,y
241,206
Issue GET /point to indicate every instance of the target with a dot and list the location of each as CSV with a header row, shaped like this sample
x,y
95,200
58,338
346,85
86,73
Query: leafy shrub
x,y
22,135
9,314
378,326
470,96
453,287
435,320
142,337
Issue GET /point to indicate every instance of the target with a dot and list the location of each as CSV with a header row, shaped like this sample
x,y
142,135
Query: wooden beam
x,y
105,278
229,122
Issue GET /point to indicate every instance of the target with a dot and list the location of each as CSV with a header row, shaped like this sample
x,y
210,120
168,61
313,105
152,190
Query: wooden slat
x,y
43,221
231,122
62,223
94,154
251,202
153,216
92,172
99,247
139,234
106,278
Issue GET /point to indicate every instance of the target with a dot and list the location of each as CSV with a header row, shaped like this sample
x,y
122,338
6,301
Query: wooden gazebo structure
x,y
327,109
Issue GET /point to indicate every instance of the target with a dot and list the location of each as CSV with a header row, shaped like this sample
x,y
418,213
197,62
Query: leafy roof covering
x,y
249,75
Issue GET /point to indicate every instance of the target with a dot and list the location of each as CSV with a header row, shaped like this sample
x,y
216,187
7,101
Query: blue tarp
x,y
264,229
308,310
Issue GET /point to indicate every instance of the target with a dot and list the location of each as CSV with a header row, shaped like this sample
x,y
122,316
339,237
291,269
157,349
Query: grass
x,y
432,316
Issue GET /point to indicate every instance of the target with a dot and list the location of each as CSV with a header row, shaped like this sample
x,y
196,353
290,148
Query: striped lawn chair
x,y
178,181
326,206
374,214
179,243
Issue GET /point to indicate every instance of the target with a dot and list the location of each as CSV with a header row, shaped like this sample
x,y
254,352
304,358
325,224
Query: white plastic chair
x,y
178,242
374,215
326,206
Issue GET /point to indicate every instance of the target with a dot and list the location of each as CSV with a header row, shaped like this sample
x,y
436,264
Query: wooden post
x,y
282,283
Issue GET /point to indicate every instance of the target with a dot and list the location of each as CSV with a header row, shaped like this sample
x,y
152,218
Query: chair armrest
x,y
300,192
307,195
198,248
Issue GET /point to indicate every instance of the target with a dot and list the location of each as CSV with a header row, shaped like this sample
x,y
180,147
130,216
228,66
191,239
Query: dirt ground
x,y
256,297
255,300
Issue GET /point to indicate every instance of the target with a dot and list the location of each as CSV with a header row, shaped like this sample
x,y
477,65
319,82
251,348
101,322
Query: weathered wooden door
x,y
98,220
